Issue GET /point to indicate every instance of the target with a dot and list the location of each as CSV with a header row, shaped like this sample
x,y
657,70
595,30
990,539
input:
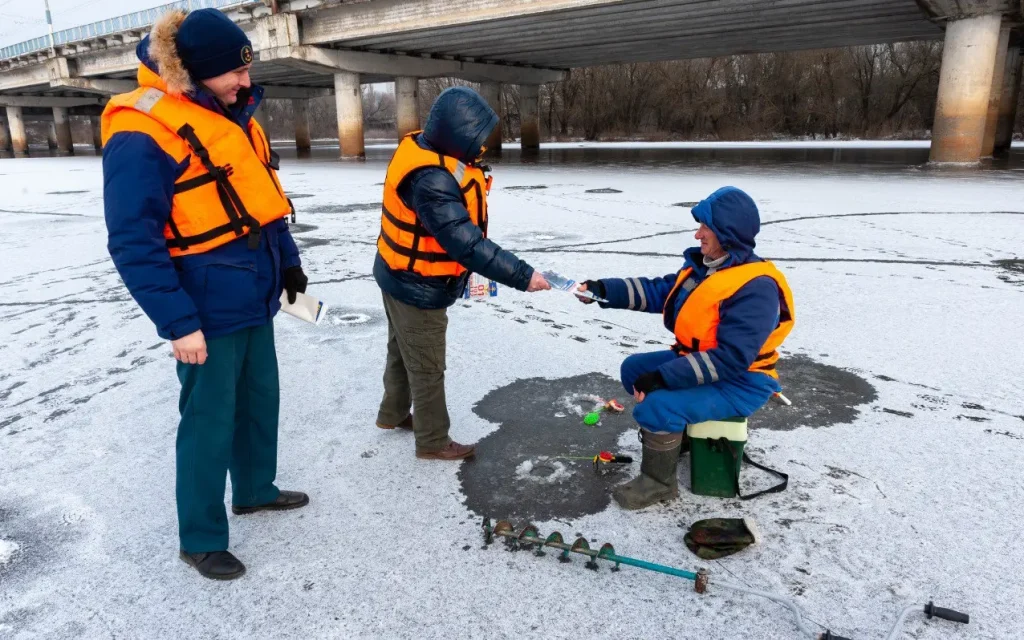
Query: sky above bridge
x,y
22,20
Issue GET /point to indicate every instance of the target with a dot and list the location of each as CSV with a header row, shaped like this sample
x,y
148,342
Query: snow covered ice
x,y
909,279
7,549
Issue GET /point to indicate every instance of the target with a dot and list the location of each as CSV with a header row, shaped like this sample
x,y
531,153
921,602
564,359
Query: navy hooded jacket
x,y
220,291
747,318
458,125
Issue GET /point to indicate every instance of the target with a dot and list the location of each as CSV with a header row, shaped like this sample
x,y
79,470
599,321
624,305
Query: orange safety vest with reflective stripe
x,y
696,325
230,187
404,243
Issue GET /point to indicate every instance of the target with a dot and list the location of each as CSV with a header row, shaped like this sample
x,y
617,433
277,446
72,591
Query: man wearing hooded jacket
x,y
433,236
729,311
195,219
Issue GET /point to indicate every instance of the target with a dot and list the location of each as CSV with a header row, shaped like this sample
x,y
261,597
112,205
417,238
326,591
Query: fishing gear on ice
x,y
529,538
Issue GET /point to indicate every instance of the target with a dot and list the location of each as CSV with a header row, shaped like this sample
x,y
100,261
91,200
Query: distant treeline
x,y
882,91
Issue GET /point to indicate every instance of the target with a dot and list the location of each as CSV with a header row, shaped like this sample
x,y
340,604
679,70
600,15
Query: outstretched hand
x,y
538,283
583,287
595,287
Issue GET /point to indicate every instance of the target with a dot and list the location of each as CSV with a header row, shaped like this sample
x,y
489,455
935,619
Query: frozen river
x,y
903,444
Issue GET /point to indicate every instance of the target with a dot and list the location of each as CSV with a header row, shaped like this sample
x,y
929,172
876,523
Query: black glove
x,y
648,382
595,287
295,281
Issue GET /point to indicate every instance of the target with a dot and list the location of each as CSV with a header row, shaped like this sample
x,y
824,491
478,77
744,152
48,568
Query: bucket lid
x,y
734,429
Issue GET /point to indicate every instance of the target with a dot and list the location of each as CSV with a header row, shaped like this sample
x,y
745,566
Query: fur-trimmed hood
x,y
159,52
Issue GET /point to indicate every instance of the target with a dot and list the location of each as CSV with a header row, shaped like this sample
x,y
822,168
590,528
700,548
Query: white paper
x,y
306,307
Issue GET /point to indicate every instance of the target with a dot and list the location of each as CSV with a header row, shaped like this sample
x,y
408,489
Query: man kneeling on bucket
x,y
729,311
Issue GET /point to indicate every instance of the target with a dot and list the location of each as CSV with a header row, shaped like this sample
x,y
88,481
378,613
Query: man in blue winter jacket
x,y
434,227
196,228
729,311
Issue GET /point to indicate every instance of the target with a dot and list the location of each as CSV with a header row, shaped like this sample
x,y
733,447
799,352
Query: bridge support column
x,y
348,97
5,139
996,93
1009,98
62,129
300,111
97,133
407,105
491,92
529,116
19,142
51,136
965,83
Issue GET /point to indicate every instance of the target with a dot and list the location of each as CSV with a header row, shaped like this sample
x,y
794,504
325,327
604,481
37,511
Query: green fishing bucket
x,y
715,463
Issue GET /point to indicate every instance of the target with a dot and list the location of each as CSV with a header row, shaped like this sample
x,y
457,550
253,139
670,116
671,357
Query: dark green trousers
x,y
229,409
414,372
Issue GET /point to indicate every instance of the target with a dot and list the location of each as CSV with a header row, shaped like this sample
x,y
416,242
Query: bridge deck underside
x,y
651,30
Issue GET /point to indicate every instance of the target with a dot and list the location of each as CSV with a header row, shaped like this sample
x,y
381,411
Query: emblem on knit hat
x,y
247,54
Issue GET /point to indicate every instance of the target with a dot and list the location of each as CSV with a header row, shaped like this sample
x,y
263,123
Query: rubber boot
x,y
657,480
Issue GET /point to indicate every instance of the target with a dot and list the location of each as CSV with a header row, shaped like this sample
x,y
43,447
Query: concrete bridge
x,y
310,48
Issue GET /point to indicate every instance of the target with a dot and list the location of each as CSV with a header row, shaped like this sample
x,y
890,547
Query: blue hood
x,y
459,123
733,216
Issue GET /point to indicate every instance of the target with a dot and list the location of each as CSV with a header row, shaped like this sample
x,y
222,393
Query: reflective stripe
x,y
696,368
689,284
640,291
460,172
148,100
629,290
711,366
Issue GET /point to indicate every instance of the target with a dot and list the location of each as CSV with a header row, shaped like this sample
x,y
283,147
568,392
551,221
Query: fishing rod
x,y
529,538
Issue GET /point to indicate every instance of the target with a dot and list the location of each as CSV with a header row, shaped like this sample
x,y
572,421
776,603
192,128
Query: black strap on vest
x,y
481,216
195,183
670,303
238,216
273,162
681,349
724,443
415,256
401,225
419,233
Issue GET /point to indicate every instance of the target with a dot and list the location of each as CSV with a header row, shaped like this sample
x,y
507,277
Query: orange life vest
x,y
696,325
404,243
230,187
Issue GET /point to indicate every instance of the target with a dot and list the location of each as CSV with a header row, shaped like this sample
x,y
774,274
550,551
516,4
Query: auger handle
x,y
946,614
828,635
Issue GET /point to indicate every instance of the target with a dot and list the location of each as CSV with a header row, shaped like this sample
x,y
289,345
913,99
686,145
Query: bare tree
x,y
880,90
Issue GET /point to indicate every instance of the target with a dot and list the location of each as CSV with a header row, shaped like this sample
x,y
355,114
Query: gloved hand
x,y
648,382
295,281
595,287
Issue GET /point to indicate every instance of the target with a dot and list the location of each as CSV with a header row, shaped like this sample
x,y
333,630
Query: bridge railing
x,y
120,24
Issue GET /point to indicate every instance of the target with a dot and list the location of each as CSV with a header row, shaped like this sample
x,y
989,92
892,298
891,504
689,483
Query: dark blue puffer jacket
x,y
220,291
747,318
458,125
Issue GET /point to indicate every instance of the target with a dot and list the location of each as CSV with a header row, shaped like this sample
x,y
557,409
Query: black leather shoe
x,y
216,565
287,500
